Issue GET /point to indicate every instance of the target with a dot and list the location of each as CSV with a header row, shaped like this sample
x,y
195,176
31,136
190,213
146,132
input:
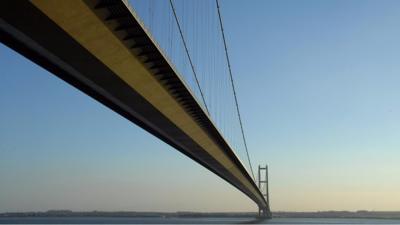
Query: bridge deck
x,y
100,48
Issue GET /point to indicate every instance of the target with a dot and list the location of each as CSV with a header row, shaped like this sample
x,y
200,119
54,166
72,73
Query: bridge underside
x,y
100,48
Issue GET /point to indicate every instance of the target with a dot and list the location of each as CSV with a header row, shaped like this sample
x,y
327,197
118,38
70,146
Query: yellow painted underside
x,y
81,23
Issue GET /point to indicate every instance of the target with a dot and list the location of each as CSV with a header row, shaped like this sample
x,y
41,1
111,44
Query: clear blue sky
x,y
318,84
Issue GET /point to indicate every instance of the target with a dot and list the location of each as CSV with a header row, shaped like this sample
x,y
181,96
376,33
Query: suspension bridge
x,y
163,65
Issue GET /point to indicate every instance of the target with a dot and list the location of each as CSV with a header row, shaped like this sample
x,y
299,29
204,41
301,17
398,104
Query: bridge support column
x,y
264,212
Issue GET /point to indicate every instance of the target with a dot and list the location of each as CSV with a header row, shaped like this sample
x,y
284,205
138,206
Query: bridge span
x,y
102,48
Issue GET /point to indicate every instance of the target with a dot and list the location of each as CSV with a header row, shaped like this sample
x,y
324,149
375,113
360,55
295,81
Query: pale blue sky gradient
x,y
318,84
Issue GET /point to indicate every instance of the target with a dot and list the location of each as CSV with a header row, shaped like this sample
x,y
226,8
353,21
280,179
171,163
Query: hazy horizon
x,y
318,84
188,211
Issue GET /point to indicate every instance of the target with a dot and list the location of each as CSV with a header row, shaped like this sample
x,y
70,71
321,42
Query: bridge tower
x,y
263,186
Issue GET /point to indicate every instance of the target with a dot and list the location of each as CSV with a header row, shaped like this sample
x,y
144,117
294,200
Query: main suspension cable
x,y
188,55
233,88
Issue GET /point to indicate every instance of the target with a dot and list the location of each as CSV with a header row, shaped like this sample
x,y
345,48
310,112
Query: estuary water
x,y
176,220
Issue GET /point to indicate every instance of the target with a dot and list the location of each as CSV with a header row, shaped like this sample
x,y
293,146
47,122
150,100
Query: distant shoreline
x,y
362,214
